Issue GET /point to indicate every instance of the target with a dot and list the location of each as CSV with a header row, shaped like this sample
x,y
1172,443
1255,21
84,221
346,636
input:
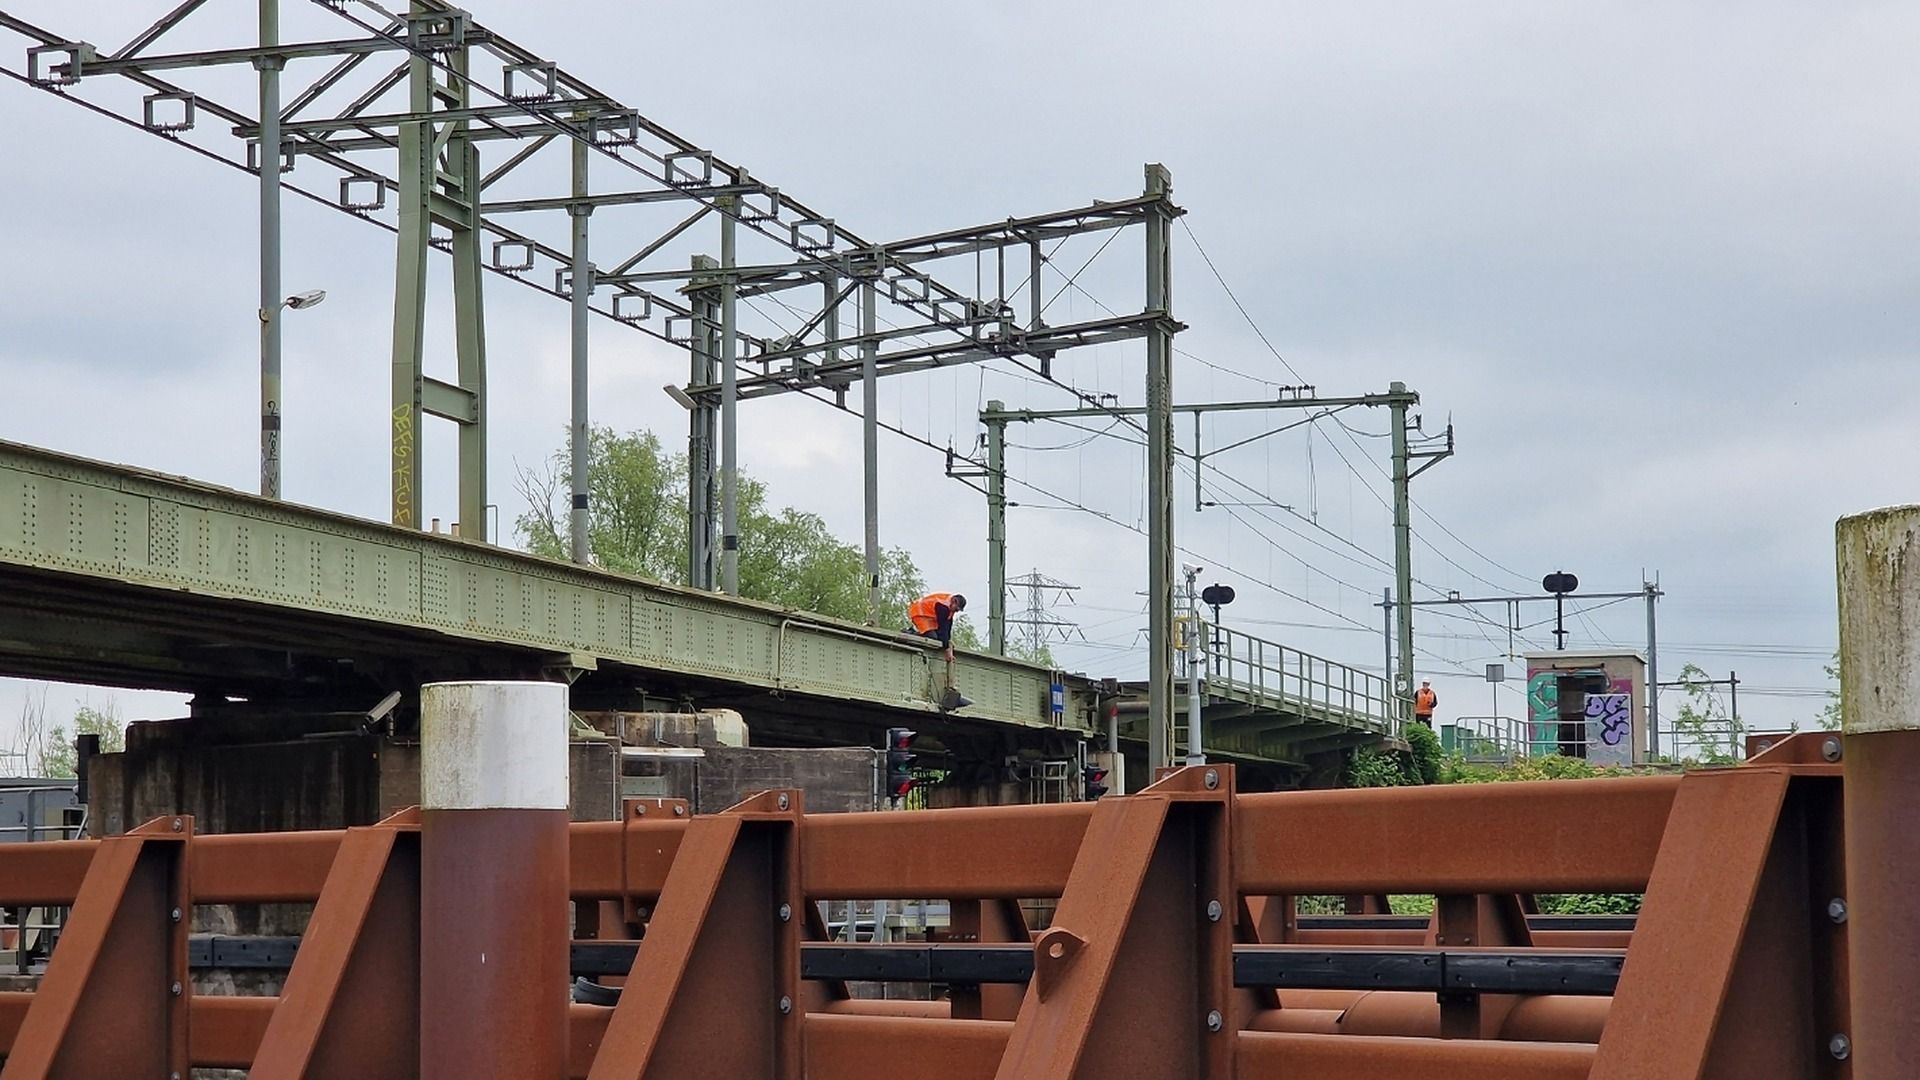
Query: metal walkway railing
x,y
1270,676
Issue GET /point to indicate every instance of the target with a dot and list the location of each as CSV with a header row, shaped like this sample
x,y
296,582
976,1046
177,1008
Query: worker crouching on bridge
x,y
932,617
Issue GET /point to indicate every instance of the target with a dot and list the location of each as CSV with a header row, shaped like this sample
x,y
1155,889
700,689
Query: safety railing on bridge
x,y
1269,675
1488,738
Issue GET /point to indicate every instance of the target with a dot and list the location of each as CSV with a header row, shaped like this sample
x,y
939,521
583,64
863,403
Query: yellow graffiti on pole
x,y
403,464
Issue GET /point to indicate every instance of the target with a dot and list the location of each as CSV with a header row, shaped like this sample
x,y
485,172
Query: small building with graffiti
x,y
1588,704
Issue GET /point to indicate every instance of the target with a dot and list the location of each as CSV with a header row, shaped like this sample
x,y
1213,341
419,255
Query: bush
x,y
1589,903
1423,746
1370,768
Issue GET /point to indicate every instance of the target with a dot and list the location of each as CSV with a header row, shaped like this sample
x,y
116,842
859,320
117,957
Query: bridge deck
x,y
127,577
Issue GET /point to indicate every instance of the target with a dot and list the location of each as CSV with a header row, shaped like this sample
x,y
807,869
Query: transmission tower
x,y
1038,624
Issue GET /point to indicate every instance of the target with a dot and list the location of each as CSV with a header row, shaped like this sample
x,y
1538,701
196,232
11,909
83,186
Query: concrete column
x,y
494,911
1879,574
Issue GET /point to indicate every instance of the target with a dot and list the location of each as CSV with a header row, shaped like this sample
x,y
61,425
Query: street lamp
x,y
680,397
301,301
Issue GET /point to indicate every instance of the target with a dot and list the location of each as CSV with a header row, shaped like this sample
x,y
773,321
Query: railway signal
x,y
900,759
1095,779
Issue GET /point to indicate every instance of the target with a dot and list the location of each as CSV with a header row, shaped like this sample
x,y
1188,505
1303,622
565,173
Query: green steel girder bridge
x,y
119,576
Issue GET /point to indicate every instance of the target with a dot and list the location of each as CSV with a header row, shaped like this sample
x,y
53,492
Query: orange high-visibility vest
x,y
1424,701
924,611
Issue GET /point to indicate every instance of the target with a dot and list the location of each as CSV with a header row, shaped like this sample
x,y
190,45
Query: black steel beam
x,y
1505,971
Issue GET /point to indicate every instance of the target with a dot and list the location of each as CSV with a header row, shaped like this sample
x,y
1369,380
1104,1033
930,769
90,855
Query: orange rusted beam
x,y
855,1047
967,853
1360,1057
44,874
263,868
1536,837
225,1032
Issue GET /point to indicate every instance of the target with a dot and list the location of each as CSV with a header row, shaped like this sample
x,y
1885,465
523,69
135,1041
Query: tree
x,y
58,758
638,521
31,736
637,525
1829,718
1705,722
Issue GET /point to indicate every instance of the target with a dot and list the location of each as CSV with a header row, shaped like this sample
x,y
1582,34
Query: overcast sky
x,y
1655,262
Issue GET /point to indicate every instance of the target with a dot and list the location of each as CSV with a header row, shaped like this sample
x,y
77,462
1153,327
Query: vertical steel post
x,y
493,940
729,399
1035,262
1402,543
1878,556
1196,703
700,428
870,438
461,185
1386,637
270,396
996,530
1199,459
1653,673
1160,542
415,170
580,446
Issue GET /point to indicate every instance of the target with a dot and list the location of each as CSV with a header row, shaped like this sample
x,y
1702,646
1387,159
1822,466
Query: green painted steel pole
x,y
870,444
1159,227
1402,545
271,400
579,515
415,171
729,398
996,531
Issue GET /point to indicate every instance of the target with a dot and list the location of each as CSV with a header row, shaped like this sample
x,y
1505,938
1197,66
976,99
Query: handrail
x,y
1239,664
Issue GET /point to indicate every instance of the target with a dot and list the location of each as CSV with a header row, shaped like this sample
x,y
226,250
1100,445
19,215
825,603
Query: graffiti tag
x,y
1612,715
403,464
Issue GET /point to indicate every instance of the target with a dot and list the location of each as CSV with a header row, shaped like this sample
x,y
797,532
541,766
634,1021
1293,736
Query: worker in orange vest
x,y
933,614
1424,700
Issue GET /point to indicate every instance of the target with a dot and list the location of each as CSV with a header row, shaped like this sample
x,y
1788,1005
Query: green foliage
x,y
1422,762
1588,903
1423,746
1829,717
1704,723
58,757
638,525
1456,770
1371,768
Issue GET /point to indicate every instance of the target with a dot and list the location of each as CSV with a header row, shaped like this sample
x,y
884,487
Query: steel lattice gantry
x,y
592,202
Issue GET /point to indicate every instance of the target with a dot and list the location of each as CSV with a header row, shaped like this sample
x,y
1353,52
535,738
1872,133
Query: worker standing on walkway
x,y
933,614
1424,700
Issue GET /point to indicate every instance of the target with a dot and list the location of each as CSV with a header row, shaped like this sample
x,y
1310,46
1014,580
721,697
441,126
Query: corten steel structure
x,y
387,123
1173,950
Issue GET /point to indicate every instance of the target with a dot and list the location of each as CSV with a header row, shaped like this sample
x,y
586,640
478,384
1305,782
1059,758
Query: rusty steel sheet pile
x,y
1173,949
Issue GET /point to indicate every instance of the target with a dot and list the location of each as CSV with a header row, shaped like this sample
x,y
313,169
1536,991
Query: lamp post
x,y
270,409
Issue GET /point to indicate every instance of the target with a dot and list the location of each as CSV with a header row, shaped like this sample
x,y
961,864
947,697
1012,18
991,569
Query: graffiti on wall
x,y
1609,718
1610,729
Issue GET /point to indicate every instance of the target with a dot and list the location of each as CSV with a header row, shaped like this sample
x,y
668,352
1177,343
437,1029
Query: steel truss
x,y
387,124
1173,950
